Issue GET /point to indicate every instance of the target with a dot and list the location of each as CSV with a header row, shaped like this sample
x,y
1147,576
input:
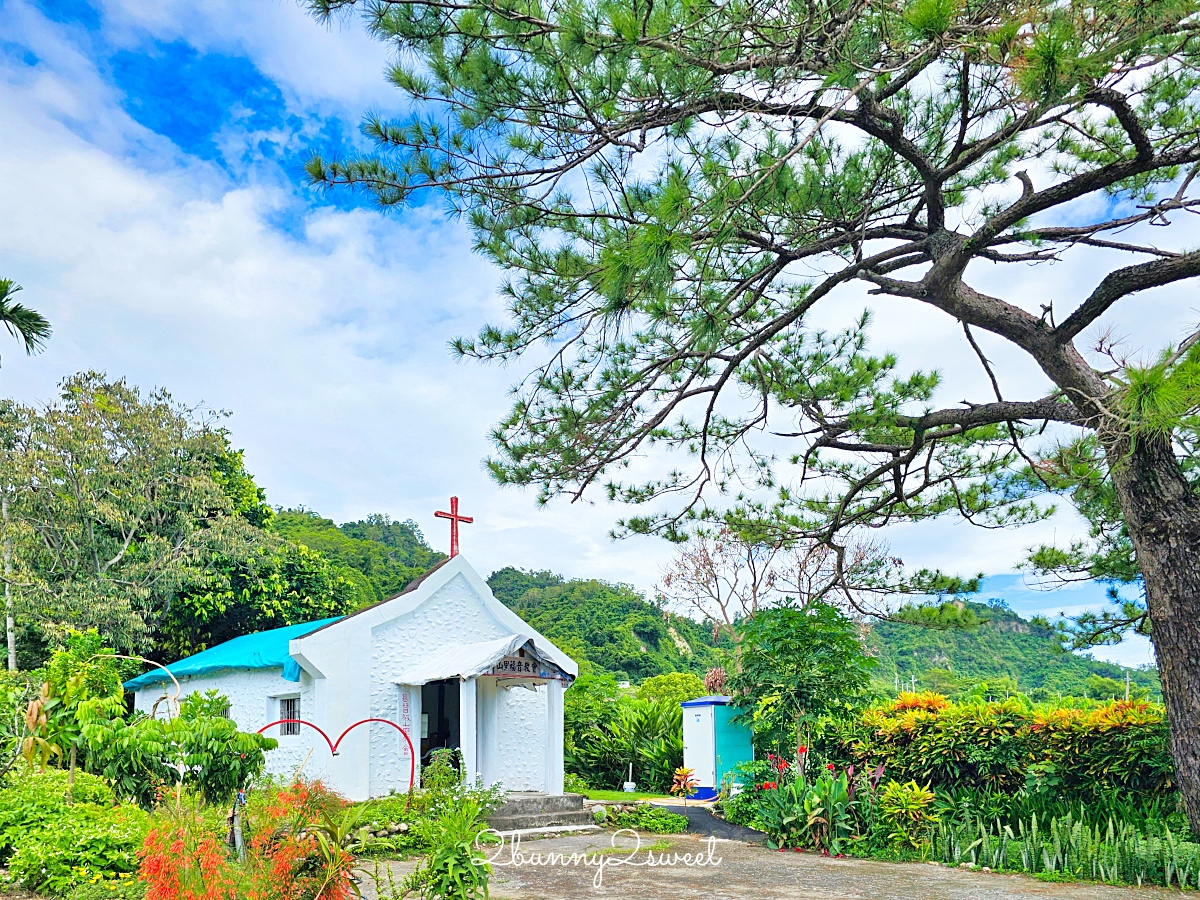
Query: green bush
x,y
29,798
905,811
138,756
55,841
674,687
574,784
744,807
1070,847
648,734
390,823
453,868
1011,745
87,841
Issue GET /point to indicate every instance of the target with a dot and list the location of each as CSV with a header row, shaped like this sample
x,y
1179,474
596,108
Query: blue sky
x,y
155,208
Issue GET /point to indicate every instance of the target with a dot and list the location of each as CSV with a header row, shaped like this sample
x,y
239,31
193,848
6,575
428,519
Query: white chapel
x,y
445,661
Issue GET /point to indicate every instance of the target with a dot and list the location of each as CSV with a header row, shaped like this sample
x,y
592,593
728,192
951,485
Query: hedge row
x,y
1012,744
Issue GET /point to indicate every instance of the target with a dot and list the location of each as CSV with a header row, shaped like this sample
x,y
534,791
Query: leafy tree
x,y
26,325
83,683
509,584
941,681
944,615
1000,643
673,687
266,583
797,663
403,537
139,755
116,497
680,189
588,702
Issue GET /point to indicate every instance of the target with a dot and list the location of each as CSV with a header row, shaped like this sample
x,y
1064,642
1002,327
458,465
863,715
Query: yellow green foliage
x,y
1007,744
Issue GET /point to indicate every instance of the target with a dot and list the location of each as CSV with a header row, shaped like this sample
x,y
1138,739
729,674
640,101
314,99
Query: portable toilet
x,y
712,744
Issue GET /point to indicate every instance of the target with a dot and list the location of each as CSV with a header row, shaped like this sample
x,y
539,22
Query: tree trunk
x,y
1162,512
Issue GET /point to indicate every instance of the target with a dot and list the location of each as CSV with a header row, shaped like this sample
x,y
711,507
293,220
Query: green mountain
x,y
378,555
606,628
953,646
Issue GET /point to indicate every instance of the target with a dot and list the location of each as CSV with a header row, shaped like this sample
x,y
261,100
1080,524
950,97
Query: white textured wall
x,y
251,696
519,753
453,615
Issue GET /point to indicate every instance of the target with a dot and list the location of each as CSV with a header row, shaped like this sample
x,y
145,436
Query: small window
x,y
289,708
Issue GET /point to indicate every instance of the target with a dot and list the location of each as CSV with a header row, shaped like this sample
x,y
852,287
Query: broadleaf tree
x,y
117,501
680,189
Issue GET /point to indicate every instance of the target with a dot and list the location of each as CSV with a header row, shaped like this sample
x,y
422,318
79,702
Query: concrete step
x,y
540,820
524,804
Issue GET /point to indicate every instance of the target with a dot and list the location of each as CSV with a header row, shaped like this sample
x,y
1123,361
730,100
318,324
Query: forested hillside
x,y
945,656
378,555
607,628
612,629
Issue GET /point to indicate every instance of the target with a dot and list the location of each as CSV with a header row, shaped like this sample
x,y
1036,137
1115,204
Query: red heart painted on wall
x,y
333,745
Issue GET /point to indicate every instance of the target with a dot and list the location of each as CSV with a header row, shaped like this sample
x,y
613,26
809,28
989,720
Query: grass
x,y
622,796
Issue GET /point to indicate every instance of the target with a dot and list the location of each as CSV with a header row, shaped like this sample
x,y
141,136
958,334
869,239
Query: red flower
x,y
782,765
829,766
802,749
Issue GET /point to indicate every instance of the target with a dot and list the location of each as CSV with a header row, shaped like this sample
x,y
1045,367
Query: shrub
x,y
574,784
298,849
124,887
183,857
648,734
140,755
674,687
1010,744
453,868
86,842
31,798
904,809
1070,847
53,844
388,823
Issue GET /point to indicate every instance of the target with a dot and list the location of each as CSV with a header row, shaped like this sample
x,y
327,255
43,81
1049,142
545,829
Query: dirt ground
x,y
740,871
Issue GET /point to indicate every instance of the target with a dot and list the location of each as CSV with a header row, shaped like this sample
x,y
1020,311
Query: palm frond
x,y
28,326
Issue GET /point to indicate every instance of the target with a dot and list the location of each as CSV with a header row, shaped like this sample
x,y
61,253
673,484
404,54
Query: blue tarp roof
x,y
264,650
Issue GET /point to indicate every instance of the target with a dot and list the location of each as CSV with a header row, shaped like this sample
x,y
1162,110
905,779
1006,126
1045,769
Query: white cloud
x,y
329,344
336,63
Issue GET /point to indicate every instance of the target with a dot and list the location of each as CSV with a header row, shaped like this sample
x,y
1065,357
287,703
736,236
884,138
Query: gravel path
x,y
740,871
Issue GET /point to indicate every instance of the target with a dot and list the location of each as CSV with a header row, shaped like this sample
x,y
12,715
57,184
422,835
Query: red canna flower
x,y
829,766
801,749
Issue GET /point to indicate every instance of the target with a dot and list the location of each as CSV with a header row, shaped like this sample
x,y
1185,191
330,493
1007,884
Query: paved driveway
x,y
739,871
